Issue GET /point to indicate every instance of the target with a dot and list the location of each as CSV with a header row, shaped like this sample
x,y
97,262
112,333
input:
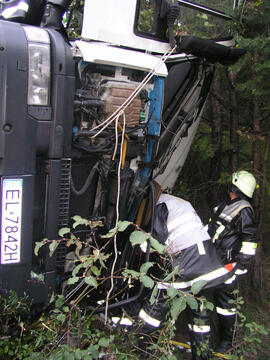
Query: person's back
x,y
189,247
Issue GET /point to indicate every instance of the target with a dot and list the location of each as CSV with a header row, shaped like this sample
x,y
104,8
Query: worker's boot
x,y
226,329
200,347
224,347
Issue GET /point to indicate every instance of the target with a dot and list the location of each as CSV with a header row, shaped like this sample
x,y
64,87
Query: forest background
x,y
234,134
235,130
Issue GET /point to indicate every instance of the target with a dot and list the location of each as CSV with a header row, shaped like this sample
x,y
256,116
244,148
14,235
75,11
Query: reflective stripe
x,y
148,319
184,229
143,246
10,11
207,277
218,232
230,211
248,248
240,272
201,248
225,217
179,221
122,321
226,312
199,328
230,280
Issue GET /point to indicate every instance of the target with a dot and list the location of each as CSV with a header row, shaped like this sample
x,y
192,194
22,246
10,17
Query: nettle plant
x,y
90,260
89,265
248,339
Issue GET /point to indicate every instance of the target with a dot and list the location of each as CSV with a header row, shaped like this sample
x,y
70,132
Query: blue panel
x,y
154,121
156,102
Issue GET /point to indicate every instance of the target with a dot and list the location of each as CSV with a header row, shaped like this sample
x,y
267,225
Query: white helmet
x,y
245,182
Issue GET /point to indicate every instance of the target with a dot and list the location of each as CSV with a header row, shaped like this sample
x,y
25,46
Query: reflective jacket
x,y
188,244
234,233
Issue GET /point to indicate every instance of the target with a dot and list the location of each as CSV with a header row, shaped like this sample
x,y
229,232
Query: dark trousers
x,y
224,298
198,323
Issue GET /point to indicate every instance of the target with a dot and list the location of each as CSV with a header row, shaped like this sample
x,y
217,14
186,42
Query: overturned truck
x,y
87,125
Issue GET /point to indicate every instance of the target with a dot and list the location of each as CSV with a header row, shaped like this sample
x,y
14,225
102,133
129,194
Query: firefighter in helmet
x,y
46,13
188,246
234,233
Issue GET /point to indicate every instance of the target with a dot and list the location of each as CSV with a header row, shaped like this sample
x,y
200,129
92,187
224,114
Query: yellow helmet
x,y
245,182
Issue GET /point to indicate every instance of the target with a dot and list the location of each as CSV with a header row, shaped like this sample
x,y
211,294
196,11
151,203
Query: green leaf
x,y
78,247
61,318
105,342
110,234
95,270
171,357
172,292
197,286
138,237
63,231
157,245
192,302
123,225
39,245
39,277
133,273
94,351
153,295
178,305
90,280
97,223
147,281
52,298
78,220
209,305
171,275
145,267
53,246
59,301
76,269
72,280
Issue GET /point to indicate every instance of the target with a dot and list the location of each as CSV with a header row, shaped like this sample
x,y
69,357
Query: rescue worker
x,y
233,231
36,12
188,245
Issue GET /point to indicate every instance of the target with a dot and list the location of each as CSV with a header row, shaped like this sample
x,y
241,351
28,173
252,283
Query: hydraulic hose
x,y
87,183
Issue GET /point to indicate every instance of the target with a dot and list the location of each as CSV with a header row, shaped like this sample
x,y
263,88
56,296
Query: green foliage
x,y
248,336
67,332
73,19
64,333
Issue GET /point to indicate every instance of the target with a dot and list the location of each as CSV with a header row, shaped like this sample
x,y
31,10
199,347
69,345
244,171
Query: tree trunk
x,y
233,124
215,164
256,273
256,152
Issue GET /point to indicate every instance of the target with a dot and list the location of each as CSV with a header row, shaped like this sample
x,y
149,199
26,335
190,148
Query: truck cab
x,y
88,124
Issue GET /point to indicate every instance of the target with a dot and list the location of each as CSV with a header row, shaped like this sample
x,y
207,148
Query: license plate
x,y
11,220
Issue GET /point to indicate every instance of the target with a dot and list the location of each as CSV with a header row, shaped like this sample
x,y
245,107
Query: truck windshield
x,y
194,19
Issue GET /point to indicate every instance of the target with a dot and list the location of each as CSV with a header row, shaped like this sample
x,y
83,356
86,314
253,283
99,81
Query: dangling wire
x,y
116,206
128,101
